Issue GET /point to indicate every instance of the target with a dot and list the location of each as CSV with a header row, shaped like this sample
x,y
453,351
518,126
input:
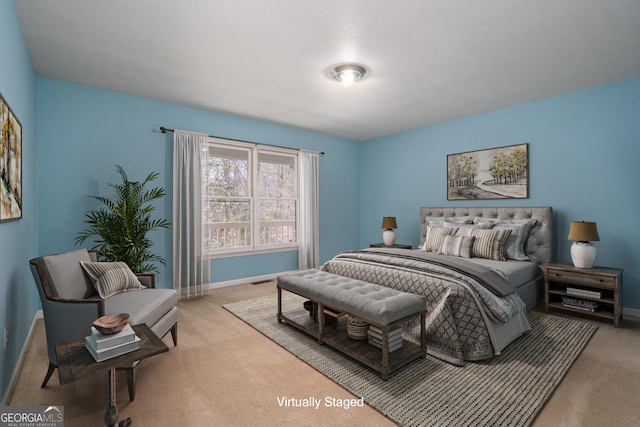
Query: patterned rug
x,y
508,390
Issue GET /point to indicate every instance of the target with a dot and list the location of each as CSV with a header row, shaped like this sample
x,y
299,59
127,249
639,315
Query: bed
x,y
479,268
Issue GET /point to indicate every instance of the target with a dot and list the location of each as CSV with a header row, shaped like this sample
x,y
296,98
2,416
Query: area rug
x,y
508,390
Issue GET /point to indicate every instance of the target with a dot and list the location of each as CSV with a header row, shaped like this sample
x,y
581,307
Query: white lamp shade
x,y
583,254
388,237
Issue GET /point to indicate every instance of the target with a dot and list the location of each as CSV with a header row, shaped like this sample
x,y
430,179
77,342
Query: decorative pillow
x,y
465,228
457,246
515,246
435,237
110,278
489,244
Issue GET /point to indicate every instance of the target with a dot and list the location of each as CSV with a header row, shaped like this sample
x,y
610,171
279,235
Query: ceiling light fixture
x,y
348,73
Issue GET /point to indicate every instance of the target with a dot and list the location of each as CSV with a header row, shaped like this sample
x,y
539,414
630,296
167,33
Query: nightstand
x,y
584,286
382,245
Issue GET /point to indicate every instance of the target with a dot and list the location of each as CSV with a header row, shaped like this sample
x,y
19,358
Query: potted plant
x,y
121,225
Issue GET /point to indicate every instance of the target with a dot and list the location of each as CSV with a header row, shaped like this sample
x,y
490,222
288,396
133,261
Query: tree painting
x,y
10,164
496,173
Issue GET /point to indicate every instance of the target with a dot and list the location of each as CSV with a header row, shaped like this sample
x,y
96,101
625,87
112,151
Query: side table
x,y
75,362
565,280
382,245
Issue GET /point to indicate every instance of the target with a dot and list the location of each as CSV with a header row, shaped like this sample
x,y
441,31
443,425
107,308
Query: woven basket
x,y
357,328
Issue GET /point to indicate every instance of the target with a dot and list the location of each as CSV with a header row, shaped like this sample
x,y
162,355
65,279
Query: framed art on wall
x,y
10,164
495,173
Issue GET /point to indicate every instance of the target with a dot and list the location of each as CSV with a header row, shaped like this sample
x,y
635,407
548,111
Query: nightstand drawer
x,y
587,278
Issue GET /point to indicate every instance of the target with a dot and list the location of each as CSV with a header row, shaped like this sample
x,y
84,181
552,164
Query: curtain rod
x,y
165,130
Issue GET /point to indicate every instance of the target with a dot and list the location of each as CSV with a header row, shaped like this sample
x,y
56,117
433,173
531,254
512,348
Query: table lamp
x,y
388,235
583,253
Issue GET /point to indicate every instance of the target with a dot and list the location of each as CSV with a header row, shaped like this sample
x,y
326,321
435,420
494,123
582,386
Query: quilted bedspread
x,y
458,304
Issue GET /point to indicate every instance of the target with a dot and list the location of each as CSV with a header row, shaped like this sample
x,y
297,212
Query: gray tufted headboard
x,y
539,246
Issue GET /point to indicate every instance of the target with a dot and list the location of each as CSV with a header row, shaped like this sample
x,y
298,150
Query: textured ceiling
x,y
429,61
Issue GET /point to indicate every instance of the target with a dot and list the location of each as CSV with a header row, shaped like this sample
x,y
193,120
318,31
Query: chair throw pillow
x,y
110,278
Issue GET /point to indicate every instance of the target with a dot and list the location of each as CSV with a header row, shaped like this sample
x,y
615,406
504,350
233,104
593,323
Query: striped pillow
x,y
110,278
435,237
489,244
457,246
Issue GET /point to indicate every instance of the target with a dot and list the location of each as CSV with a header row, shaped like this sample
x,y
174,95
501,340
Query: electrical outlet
x,y
6,336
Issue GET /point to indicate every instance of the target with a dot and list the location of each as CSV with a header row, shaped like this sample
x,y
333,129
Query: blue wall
x,y
584,161
84,131
18,239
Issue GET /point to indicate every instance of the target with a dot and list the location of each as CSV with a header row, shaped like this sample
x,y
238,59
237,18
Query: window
x,y
250,198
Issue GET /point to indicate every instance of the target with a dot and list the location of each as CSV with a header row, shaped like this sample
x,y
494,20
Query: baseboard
x,y
631,312
254,279
16,371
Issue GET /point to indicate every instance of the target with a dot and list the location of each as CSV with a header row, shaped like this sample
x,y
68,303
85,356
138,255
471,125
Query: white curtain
x,y
309,235
190,271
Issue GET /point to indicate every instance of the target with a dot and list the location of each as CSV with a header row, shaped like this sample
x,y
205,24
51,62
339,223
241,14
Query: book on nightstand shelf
x,y
576,292
580,304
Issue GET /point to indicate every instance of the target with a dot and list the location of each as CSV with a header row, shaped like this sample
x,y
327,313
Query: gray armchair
x,y
71,304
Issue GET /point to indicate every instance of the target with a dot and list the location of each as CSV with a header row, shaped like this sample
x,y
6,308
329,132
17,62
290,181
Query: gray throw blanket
x,y
487,277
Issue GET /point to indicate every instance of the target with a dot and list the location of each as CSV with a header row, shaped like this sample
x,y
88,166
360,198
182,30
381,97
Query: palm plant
x,y
120,227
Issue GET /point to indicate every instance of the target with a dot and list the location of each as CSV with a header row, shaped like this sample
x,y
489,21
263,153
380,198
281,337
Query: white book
x,y
393,347
392,340
101,341
378,332
111,352
584,293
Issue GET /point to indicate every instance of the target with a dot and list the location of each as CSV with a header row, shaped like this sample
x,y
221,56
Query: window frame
x,y
254,199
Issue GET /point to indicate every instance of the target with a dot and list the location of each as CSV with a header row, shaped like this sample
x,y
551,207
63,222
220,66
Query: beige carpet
x,y
225,373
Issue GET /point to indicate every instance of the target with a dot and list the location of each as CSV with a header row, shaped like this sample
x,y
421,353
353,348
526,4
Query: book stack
x,y
374,335
103,347
580,304
577,292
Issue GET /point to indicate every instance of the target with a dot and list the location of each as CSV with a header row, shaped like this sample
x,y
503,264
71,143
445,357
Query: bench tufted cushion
x,y
371,302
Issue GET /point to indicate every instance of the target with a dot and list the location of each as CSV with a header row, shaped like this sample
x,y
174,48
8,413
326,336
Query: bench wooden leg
x,y
320,321
279,304
423,335
385,352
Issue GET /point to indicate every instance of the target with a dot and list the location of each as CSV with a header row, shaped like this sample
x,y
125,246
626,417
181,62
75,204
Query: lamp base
x,y
389,237
583,254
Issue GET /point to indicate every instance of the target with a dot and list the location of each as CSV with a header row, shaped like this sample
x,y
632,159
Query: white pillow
x,y
514,248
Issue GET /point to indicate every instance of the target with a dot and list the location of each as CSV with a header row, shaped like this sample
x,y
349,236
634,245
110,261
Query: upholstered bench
x,y
376,305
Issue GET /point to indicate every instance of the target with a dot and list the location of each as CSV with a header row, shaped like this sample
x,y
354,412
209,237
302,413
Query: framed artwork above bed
x,y
494,173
